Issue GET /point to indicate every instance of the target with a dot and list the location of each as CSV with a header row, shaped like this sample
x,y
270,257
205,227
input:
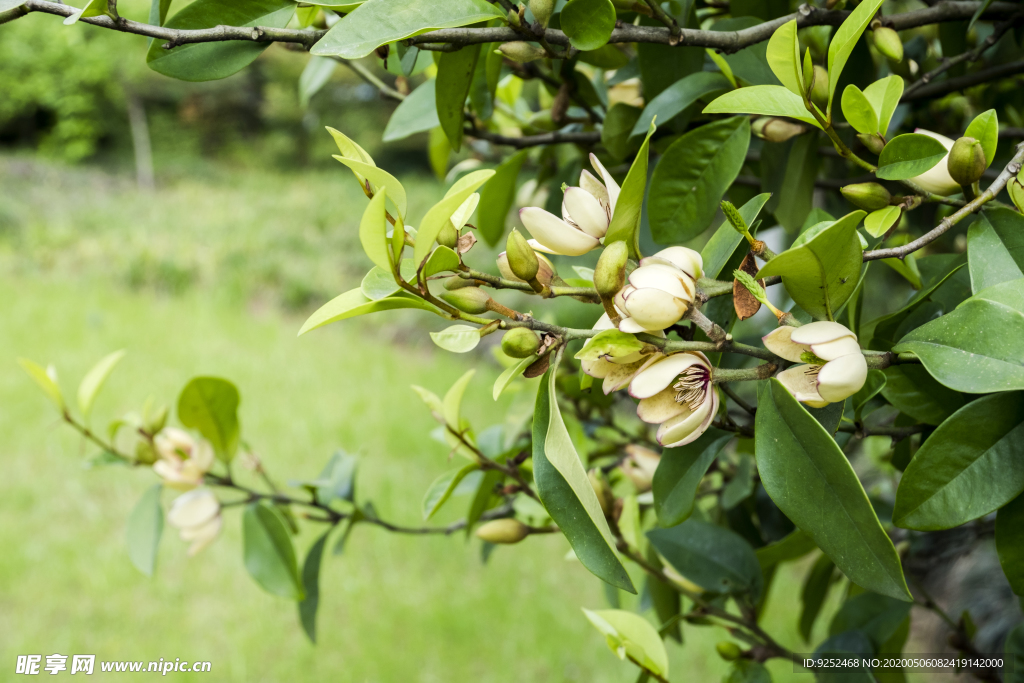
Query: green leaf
x,y
806,474
1013,668
268,552
978,347
379,22
821,274
678,97
889,328
311,586
793,546
884,96
354,303
496,199
440,213
454,77
46,379
830,416
876,616
630,635
748,671
94,380
913,391
679,473
625,223
441,260
877,223
210,61
210,405
844,40
693,174
588,23
765,100
443,488
1010,542
610,344
567,494
381,181
145,525
995,248
858,110
985,129
379,284
616,129
314,77
972,465
796,185
457,338
784,57
716,559
813,593
417,113
875,382
909,155
720,248
509,374
452,404
373,230
158,12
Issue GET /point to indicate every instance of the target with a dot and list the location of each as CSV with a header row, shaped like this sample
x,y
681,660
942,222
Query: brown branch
x,y
933,90
578,138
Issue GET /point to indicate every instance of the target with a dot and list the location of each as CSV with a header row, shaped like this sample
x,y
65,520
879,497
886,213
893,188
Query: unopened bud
x,y
144,452
513,18
448,236
156,421
522,260
873,141
819,93
776,130
456,282
966,162
1016,191
521,51
520,342
888,42
506,531
808,71
610,272
545,273
728,650
604,492
542,11
867,196
468,299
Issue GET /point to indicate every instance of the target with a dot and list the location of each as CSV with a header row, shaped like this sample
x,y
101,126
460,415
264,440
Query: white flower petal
x,y
662,374
844,346
686,260
937,178
603,323
803,385
193,508
820,332
660,407
684,429
842,377
780,342
621,375
202,536
585,211
631,326
555,234
655,309
598,368
666,278
594,186
610,185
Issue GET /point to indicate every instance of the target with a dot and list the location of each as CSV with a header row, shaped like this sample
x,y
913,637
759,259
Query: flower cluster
x,y
184,461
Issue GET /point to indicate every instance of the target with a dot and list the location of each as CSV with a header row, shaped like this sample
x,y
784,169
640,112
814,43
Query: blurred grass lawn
x,y
393,608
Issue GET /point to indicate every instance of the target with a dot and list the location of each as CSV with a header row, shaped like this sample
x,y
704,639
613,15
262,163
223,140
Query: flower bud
x,y
468,299
867,196
506,531
521,51
610,272
728,650
520,342
873,142
448,236
776,130
545,273
456,282
888,42
966,161
819,94
521,257
542,10
1016,191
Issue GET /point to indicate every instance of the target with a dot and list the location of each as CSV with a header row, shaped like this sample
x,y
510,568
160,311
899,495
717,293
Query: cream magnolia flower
x,y
586,214
196,515
640,465
616,372
660,291
817,384
937,178
676,392
183,459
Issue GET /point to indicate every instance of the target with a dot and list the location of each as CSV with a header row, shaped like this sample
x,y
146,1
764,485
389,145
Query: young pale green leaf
x,y
381,181
679,473
443,488
806,474
441,260
314,77
617,127
985,129
821,274
349,148
431,400
509,374
210,61
379,22
210,405
496,199
877,223
311,586
678,97
859,111
814,592
609,344
630,635
972,465
417,113
454,78
354,303
876,616
784,58
457,338
378,284
145,525
691,177
995,248
94,380
844,40
884,96
720,248
588,23
440,213
765,100
46,378
1010,542
625,223
268,553
713,557
373,228
452,405
567,494
909,155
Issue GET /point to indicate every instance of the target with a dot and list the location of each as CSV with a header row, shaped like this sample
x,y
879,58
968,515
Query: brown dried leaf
x,y
465,242
538,367
742,300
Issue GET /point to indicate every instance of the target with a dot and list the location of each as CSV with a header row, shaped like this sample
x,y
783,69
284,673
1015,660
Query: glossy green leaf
x,y
158,12
440,213
509,374
441,260
972,465
314,77
829,417
144,528
379,22
765,100
821,274
454,78
679,473
379,284
588,23
691,177
268,552
806,474
452,404
609,344
913,391
884,96
210,61
793,546
457,338
630,635
876,616
995,248
888,329
46,378
844,40
720,248
94,380
569,497
713,557
748,671
210,406
380,179
625,223
784,57
443,488
616,129
985,129
496,199
813,593
795,189
311,586
417,113
1010,542
679,97
877,223
373,230
909,155
858,110
354,303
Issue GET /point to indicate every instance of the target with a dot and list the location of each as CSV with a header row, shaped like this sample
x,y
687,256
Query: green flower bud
x,y
520,342
156,421
966,162
867,196
545,274
819,93
144,452
468,299
776,130
610,272
542,11
506,531
456,282
728,650
888,43
521,51
1016,191
873,141
448,236
521,257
